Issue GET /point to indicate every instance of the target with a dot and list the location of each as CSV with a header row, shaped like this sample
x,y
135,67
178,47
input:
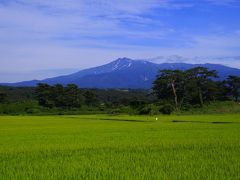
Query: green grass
x,y
120,147
218,107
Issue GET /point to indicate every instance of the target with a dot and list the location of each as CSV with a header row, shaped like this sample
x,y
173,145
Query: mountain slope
x,y
125,73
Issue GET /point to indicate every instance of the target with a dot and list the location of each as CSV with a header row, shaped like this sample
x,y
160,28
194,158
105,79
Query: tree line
x,y
178,88
172,90
71,96
64,97
195,86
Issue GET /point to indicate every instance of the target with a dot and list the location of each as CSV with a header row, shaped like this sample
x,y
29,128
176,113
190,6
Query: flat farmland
x,y
120,147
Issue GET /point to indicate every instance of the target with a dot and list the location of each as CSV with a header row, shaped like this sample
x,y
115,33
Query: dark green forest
x,y
174,91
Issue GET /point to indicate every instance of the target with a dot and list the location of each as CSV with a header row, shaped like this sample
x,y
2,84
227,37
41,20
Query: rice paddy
x,y
120,147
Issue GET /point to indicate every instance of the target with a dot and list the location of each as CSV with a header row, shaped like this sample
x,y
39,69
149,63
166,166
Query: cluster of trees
x,y
3,97
52,96
46,99
194,87
125,97
59,96
16,94
172,90
233,85
71,96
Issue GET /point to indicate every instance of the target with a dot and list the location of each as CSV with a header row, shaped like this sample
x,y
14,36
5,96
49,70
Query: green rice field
x,y
120,147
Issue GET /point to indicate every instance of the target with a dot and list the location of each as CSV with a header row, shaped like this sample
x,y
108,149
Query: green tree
x,y
186,88
233,83
200,82
73,96
90,98
58,95
3,97
45,95
170,84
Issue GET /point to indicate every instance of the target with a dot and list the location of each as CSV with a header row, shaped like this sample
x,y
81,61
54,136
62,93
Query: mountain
x,y
124,73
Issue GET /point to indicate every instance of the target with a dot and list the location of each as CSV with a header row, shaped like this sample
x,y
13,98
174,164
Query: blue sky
x,y
62,34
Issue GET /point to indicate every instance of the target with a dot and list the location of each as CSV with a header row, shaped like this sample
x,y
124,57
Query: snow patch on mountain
x,y
121,64
128,73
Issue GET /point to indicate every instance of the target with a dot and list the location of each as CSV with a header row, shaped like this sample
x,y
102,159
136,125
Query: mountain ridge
x,y
124,73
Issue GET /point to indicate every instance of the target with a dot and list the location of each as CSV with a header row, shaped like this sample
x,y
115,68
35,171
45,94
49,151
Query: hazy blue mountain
x,y
125,73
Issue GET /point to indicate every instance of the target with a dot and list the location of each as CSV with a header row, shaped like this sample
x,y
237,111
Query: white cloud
x,y
43,34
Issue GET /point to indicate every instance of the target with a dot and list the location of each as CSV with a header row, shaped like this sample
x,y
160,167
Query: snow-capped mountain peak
x,y
121,63
127,73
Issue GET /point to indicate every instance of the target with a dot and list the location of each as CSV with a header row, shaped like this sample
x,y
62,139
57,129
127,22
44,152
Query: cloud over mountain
x,y
40,34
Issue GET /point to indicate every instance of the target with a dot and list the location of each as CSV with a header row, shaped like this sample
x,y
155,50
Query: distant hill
x,y
124,73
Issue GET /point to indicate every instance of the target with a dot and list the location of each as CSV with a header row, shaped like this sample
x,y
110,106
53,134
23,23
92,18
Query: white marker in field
x,y
156,118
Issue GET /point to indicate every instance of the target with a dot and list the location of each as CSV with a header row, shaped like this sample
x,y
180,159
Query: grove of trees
x,y
3,97
71,96
173,90
59,96
195,86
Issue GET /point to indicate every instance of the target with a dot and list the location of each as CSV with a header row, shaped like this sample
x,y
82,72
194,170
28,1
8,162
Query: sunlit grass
x,y
120,147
